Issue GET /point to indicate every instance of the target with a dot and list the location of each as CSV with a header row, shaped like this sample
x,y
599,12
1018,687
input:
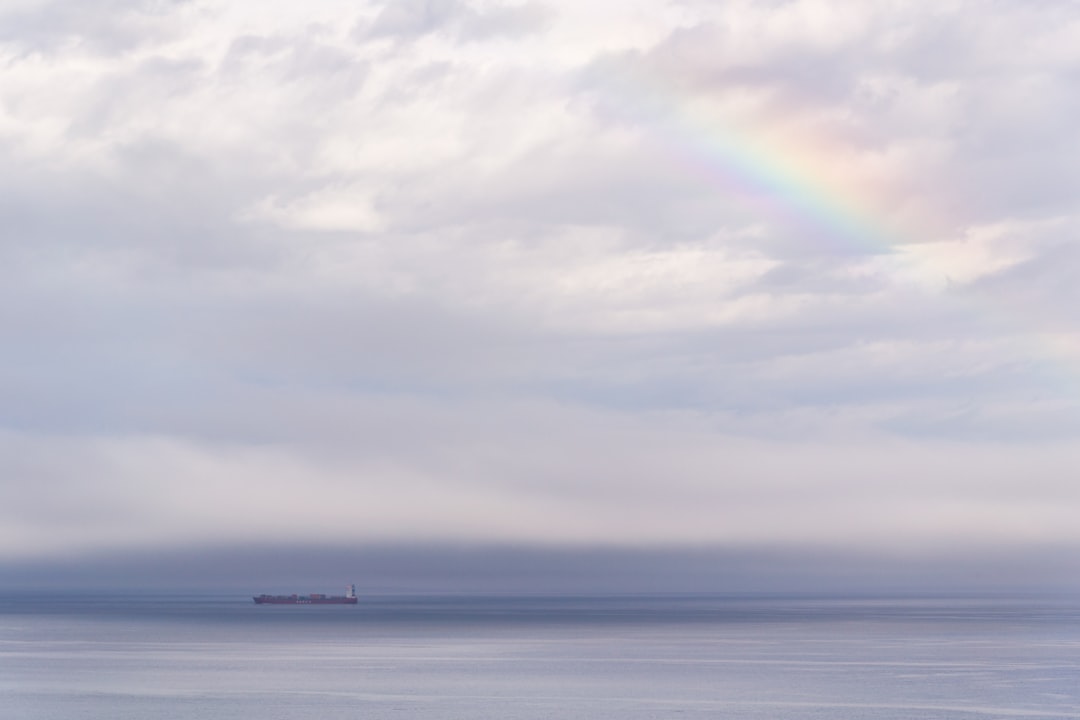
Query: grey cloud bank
x,y
409,273
470,569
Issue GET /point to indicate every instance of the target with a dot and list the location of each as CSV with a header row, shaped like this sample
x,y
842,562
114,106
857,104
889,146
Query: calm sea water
x,y
597,658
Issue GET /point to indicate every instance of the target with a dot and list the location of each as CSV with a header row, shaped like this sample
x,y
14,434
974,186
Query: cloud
x,y
467,21
450,569
772,273
115,26
388,469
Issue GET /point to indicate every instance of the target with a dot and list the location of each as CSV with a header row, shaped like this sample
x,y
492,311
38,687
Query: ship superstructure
x,y
349,598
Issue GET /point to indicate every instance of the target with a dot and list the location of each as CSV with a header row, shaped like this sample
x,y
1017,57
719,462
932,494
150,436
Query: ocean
x,y
223,657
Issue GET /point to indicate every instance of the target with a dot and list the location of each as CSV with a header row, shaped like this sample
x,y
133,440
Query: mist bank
x,y
495,569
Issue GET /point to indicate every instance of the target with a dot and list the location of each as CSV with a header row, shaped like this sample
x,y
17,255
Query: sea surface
x,y
218,657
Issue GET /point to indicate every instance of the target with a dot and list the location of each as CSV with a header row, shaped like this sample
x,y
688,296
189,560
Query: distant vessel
x,y
349,598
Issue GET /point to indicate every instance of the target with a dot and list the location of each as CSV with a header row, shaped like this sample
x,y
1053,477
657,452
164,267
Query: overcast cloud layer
x,y
610,273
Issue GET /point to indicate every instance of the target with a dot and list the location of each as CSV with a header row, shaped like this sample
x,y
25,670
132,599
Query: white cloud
x,y
329,208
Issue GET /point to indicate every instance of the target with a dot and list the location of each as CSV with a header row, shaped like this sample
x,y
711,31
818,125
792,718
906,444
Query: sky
x,y
636,279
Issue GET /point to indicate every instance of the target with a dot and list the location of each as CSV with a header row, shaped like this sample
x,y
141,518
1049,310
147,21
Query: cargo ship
x,y
349,598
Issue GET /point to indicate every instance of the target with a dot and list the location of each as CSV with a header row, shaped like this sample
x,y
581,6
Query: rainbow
x,y
818,188
810,183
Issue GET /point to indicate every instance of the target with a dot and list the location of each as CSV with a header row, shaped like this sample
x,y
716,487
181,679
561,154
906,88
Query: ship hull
x,y
303,600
